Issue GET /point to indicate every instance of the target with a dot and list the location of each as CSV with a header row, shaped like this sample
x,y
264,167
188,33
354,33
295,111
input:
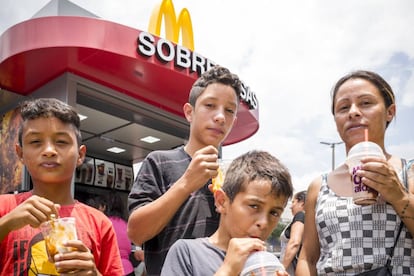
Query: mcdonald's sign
x,y
183,56
172,24
164,49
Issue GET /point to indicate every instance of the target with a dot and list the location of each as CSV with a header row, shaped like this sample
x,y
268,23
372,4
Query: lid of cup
x,y
261,259
363,148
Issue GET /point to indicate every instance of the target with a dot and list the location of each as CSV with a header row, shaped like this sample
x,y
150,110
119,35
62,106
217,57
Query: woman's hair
x,y
257,165
383,87
300,196
115,206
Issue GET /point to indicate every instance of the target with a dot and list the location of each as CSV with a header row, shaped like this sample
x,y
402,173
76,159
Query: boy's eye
x,y
275,214
231,111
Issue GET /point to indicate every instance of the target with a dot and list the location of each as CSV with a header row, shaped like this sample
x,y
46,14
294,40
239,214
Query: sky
x,y
290,53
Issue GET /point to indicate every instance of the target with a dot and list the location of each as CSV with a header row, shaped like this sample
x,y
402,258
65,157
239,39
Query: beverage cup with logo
x,y
56,232
262,263
362,195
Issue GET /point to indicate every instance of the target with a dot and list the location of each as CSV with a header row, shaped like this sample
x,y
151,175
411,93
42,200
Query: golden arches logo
x,y
172,25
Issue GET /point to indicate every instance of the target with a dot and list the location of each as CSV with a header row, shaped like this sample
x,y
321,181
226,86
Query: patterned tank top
x,y
356,238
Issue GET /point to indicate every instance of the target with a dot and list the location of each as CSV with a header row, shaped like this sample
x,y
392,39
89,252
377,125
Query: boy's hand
x,y
237,252
203,167
77,262
33,211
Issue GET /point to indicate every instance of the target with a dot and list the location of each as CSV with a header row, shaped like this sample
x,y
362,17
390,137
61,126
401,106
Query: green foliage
x,y
274,237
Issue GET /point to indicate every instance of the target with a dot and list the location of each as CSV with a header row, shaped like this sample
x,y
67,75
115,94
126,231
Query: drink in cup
x,y
261,263
362,195
219,179
56,232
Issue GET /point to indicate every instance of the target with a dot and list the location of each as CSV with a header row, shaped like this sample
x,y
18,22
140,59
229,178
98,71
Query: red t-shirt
x,y
23,252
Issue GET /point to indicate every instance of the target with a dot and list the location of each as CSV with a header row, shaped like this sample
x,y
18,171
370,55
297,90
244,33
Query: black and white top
x,y
355,238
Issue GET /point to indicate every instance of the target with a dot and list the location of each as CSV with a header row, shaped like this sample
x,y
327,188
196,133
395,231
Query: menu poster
x,y
104,173
84,173
123,176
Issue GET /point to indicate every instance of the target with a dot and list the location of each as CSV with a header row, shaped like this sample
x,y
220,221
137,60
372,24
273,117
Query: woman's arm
x,y
310,251
405,206
293,245
381,176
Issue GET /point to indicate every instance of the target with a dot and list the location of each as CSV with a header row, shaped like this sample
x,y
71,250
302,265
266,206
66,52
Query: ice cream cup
x,y
262,263
56,232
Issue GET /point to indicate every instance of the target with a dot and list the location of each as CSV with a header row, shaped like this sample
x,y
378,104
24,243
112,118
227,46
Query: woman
x,y
113,207
291,236
343,238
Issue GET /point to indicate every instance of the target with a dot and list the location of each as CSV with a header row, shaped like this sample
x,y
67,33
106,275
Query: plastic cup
x,y
219,179
362,195
56,232
261,263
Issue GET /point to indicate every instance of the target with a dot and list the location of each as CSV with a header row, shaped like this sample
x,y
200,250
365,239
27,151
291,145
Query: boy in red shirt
x,y
50,147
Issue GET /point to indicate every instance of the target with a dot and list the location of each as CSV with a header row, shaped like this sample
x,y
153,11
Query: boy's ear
x,y
82,154
188,112
220,200
19,151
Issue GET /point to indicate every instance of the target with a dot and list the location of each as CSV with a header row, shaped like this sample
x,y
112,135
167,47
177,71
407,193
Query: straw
x,y
366,134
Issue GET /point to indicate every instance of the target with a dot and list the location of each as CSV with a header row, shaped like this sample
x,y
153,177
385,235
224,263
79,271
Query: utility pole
x,y
332,145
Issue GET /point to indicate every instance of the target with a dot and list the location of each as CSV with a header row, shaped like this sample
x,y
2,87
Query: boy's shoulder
x,y
10,201
162,155
84,213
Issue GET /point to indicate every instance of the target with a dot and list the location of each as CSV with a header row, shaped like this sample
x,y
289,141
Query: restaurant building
x,y
130,86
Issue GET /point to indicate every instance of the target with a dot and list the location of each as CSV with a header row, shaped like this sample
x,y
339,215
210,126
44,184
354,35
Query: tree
x,y
274,238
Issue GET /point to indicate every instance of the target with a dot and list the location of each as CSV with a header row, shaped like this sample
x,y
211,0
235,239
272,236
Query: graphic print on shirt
x,y
37,262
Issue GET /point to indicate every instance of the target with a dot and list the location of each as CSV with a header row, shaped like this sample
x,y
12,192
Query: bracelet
x,y
405,208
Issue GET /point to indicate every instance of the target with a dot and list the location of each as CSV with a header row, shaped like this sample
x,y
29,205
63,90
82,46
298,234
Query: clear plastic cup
x,y
219,179
362,195
262,263
56,232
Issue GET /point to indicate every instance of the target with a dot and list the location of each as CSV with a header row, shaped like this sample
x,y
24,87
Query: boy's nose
x,y
262,222
220,116
49,150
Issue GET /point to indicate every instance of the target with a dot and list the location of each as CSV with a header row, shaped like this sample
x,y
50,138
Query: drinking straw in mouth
x,y
366,134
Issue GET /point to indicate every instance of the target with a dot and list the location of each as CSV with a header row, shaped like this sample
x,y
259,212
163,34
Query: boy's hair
x,y
257,165
48,108
216,74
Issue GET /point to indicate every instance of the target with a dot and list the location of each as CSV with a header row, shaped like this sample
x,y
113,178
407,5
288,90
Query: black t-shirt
x,y
196,217
300,216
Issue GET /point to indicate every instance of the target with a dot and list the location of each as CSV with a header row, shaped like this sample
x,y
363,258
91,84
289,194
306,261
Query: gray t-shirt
x,y
193,257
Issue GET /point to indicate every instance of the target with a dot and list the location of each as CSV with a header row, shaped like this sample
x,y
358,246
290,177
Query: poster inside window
x,y
104,173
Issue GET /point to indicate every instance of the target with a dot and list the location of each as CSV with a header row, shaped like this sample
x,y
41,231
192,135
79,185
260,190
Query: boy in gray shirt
x,y
254,194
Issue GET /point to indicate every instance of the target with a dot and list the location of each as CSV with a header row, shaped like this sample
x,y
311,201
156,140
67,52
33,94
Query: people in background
x,y
115,208
138,257
291,236
343,238
254,194
170,198
50,148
